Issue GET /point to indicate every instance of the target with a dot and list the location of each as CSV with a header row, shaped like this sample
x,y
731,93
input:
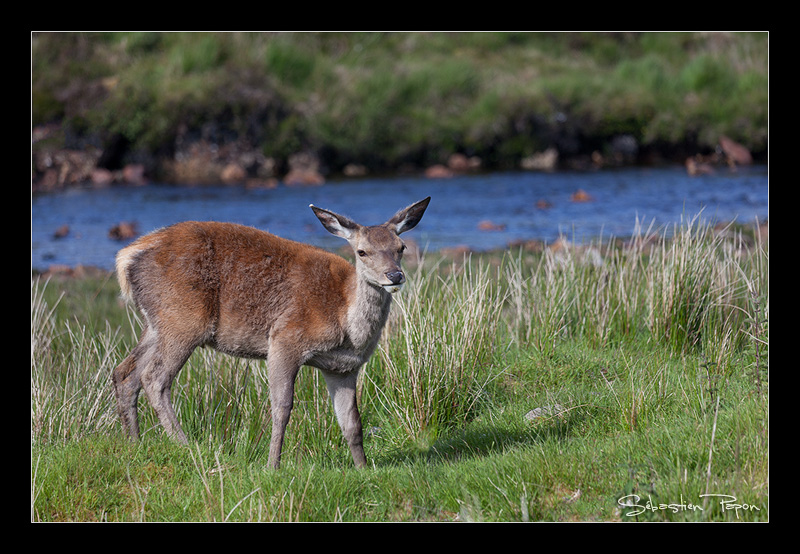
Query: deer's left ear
x,y
407,218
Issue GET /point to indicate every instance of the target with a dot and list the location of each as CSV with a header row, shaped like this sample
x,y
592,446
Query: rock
x,y
545,411
303,177
455,251
372,432
580,195
541,161
695,167
534,245
460,163
192,169
354,170
133,174
123,231
233,173
58,169
438,171
48,180
58,270
102,177
303,170
543,204
559,244
200,162
61,232
735,152
487,225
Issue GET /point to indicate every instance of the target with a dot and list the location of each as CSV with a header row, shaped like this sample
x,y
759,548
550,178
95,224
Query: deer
x,y
251,294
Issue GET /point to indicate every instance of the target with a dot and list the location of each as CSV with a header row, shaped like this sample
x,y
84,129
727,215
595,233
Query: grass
x,y
647,357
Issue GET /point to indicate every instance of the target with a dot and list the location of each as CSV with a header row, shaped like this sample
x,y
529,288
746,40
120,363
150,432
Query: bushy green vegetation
x,y
507,387
385,99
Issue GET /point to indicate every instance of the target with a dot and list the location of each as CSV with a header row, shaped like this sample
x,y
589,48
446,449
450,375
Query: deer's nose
x,y
396,277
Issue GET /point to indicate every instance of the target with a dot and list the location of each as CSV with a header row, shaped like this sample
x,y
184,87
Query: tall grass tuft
x,y
438,352
70,368
683,287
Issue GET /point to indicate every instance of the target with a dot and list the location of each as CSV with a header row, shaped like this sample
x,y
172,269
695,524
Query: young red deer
x,y
249,293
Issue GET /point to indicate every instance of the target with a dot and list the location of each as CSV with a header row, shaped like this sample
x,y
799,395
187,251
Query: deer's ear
x,y
407,218
336,224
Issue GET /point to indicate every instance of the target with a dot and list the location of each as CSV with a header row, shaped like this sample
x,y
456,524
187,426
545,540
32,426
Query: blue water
x,y
620,198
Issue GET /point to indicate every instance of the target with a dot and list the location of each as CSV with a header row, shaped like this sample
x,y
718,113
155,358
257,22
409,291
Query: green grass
x,y
652,355
390,99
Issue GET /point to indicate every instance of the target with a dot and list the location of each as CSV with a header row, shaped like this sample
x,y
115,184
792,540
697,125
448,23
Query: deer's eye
x,y
361,253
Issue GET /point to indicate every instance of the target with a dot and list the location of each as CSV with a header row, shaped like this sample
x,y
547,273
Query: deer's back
x,y
233,286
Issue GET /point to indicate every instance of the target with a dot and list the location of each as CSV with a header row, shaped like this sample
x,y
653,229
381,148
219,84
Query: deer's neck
x,y
367,315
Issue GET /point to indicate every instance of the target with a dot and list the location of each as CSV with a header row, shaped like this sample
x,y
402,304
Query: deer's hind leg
x,y
127,379
163,365
150,366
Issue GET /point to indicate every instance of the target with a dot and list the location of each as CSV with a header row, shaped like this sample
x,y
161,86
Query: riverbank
x,y
205,164
302,108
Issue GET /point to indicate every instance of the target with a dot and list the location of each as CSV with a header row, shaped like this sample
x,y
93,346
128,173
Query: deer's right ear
x,y
336,224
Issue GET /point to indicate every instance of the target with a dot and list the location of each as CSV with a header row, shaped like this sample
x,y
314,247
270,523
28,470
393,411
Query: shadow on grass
x,y
480,441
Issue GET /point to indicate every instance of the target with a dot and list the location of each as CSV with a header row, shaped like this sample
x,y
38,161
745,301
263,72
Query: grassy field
x,y
625,381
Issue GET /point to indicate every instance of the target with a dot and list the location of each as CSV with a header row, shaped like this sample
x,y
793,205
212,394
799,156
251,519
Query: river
x,y
520,206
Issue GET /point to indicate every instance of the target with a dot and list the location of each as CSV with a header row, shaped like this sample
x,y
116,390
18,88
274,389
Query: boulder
x,y
438,171
461,163
133,174
304,170
101,177
303,177
735,152
233,173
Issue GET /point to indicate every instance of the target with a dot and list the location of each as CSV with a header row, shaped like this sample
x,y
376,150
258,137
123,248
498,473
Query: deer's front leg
x,y
282,372
342,388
